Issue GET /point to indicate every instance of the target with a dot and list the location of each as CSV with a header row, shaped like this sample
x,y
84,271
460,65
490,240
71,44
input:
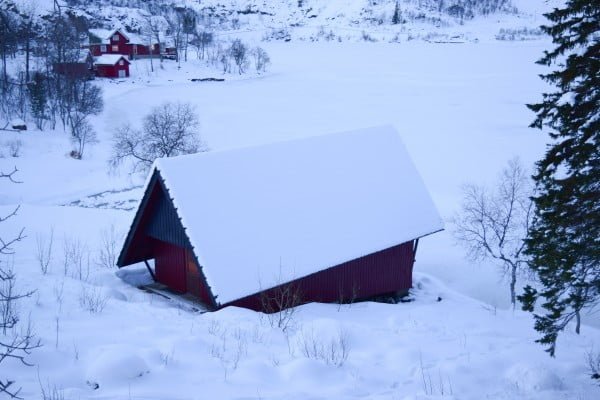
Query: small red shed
x,y
326,219
111,66
82,68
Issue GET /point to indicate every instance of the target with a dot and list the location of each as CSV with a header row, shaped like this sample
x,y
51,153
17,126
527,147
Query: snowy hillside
x,y
457,97
104,338
340,20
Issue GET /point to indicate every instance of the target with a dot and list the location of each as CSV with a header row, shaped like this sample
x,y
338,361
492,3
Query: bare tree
x,y
201,40
168,130
82,135
239,52
153,29
16,342
85,100
261,59
494,223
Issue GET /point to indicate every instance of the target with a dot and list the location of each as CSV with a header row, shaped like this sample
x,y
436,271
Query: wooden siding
x,y
169,264
384,272
111,71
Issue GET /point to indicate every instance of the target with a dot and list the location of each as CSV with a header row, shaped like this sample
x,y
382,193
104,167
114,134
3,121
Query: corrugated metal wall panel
x,y
387,271
165,224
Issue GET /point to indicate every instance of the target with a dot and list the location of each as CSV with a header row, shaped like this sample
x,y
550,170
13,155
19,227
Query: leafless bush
x,y
92,299
59,291
593,360
230,356
261,59
332,352
442,386
14,148
50,392
76,259
108,253
44,250
494,223
280,304
367,37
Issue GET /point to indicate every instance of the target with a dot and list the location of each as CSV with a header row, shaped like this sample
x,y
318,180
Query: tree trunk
x,y
513,284
577,321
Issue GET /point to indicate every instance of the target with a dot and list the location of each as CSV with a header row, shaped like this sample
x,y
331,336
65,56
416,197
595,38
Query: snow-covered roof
x,y
109,59
261,216
102,34
105,34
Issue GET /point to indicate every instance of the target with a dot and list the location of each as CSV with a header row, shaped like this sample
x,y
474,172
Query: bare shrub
x,y
280,305
593,360
108,252
92,299
335,351
44,250
76,259
229,354
14,148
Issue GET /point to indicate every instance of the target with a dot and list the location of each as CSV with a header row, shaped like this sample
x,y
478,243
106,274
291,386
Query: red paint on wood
x,y
170,265
112,71
383,272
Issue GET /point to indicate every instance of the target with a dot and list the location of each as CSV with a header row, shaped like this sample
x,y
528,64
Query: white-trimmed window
x,y
115,38
103,48
115,48
121,62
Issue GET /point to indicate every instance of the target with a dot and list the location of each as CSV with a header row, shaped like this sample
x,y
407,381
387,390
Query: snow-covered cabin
x,y
111,66
329,218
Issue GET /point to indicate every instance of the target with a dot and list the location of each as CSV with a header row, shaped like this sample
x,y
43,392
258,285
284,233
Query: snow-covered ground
x,y
460,110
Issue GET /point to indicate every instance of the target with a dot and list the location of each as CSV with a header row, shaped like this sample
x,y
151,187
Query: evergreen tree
x,y
38,99
564,242
397,17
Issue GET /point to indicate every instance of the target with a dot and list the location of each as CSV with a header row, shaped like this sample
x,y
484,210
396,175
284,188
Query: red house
x,y
116,41
326,219
111,66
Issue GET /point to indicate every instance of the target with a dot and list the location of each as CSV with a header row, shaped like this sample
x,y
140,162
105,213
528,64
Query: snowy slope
x,y
460,110
318,20
460,122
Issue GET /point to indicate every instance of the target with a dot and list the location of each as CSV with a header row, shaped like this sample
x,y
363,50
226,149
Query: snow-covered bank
x,y
460,109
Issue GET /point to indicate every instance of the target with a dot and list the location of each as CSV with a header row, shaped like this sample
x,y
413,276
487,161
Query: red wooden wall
x,y
384,272
111,71
176,267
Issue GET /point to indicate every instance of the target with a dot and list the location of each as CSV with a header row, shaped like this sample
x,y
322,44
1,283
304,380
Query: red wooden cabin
x,y
327,219
111,66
